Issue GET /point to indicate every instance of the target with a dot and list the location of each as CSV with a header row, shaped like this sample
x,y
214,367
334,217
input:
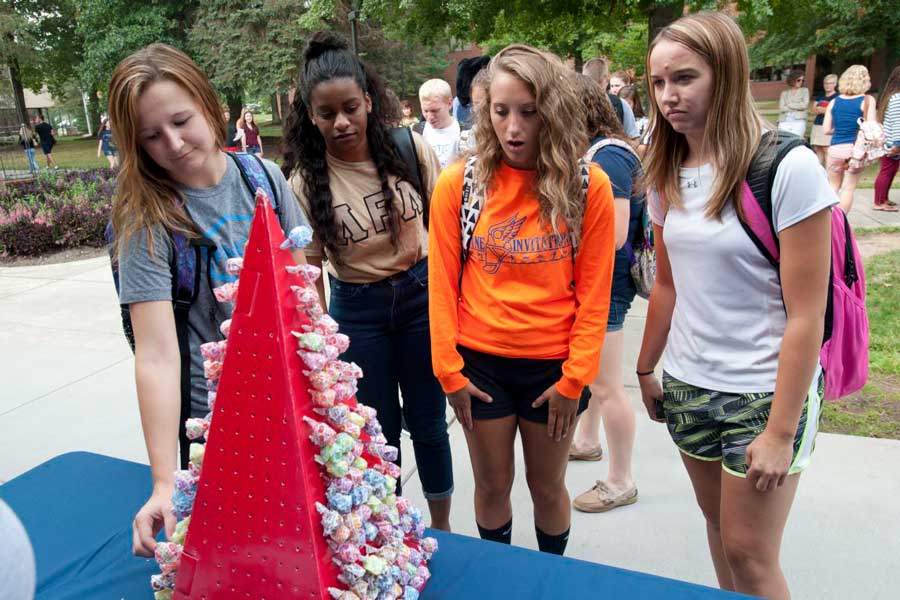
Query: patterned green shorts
x,y
709,425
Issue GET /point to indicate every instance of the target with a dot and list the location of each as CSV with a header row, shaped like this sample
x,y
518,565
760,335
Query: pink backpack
x,y
845,349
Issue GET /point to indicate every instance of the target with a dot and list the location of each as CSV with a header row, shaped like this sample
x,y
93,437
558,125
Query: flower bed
x,y
56,212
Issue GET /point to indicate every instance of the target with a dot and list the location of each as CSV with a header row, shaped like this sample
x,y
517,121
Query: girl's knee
x,y
544,491
497,485
749,559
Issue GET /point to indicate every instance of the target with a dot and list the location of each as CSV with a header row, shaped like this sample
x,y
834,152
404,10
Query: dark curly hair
x,y
327,57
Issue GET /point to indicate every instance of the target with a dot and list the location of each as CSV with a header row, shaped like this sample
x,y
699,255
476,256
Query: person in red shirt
x,y
251,141
517,326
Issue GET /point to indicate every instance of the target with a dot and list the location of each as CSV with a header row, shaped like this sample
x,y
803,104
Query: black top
x,y
45,132
820,119
617,106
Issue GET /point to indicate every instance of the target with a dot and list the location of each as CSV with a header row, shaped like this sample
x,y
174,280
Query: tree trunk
x,y
18,93
276,109
661,14
235,103
94,110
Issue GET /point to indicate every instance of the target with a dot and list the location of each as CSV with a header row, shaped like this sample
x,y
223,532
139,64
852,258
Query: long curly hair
x,y
733,125
327,56
561,145
145,194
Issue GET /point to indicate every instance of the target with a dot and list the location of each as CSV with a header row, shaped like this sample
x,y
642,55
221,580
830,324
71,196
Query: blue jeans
x,y
387,322
32,163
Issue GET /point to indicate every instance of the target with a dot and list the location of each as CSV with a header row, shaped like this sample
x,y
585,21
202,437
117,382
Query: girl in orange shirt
x,y
517,325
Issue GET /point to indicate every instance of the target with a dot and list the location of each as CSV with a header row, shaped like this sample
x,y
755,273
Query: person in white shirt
x,y
742,387
441,129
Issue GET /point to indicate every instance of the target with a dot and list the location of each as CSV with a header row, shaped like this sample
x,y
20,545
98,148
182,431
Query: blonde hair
x,y
854,81
733,125
435,89
146,196
830,77
561,146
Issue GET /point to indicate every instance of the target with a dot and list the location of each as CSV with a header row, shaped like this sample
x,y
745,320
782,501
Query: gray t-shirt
x,y
223,214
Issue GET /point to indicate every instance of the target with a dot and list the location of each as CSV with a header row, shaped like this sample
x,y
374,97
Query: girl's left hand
x,y
768,460
563,411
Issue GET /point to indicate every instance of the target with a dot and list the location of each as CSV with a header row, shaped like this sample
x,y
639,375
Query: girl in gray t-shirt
x,y
174,177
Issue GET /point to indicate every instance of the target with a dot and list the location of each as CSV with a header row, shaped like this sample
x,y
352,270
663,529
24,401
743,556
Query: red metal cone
x,y
254,530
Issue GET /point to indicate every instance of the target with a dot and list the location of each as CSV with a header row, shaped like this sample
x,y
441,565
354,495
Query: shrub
x,y
54,212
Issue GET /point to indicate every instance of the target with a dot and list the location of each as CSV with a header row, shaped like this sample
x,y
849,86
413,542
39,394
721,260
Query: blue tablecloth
x,y
78,507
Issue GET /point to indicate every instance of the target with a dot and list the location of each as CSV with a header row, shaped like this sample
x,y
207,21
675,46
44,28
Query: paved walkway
x,y
68,385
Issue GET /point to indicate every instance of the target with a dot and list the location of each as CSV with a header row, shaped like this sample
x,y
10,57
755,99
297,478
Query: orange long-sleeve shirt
x,y
517,299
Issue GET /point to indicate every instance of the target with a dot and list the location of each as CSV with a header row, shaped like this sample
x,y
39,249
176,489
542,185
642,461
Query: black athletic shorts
x,y
513,384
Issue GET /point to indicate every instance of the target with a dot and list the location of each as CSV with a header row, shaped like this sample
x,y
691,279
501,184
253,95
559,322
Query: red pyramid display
x,y
293,495
254,530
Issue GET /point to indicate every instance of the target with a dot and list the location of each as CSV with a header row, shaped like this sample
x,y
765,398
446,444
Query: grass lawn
x,y
77,153
875,410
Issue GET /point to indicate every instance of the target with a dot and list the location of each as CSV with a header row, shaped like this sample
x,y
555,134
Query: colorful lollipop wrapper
x,y
213,350
234,265
226,292
306,296
196,428
298,238
212,369
314,361
310,341
308,273
323,398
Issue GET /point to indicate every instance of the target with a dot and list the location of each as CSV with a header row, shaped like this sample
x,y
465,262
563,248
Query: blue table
x,y
78,507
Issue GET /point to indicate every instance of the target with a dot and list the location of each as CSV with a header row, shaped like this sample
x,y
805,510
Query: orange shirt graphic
x,y
517,299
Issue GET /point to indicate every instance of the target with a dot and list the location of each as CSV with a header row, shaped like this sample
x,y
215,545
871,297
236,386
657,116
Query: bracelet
x,y
645,373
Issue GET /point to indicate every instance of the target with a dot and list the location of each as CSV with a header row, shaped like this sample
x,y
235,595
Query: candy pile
x,y
375,535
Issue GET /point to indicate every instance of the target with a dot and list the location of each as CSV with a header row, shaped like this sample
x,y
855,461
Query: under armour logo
x,y
692,184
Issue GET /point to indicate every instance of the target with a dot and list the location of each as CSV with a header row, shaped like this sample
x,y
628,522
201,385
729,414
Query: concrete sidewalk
x,y
68,376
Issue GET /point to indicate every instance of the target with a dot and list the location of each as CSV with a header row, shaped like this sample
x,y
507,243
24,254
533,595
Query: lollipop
x,y
226,292
233,266
297,238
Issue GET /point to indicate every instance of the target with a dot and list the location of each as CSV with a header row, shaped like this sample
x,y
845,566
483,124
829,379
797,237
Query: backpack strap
x,y
187,257
402,137
589,155
255,176
756,196
469,210
584,166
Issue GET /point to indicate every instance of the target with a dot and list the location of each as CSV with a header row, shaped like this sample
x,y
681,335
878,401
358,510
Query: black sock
x,y
501,534
552,544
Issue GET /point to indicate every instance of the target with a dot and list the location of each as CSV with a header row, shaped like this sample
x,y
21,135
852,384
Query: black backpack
x,y
187,256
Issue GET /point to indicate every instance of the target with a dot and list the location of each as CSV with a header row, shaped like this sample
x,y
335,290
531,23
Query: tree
x,y
113,29
248,47
16,49
574,29
403,61
787,32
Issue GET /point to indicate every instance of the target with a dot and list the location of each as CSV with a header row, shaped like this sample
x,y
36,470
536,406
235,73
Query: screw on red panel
x,y
266,470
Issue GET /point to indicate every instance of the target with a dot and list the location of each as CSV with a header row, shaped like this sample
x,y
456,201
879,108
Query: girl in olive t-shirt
x,y
369,229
